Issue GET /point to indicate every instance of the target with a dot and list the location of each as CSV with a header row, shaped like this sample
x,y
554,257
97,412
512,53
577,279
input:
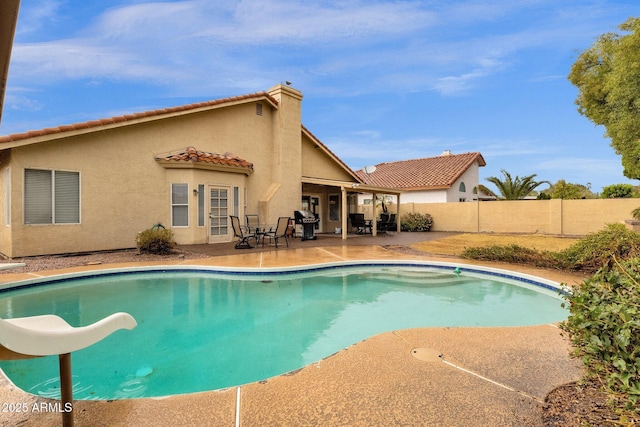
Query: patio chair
x,y
49,335
280,231
382,223
252,224
243,239
387,222
360,224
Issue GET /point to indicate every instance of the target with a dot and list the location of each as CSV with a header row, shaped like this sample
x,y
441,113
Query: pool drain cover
x,y
426,354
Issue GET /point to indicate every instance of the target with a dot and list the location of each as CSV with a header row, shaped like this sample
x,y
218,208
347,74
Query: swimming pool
x,y
205,329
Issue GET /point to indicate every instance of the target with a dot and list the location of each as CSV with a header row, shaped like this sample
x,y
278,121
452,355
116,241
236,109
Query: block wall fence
x,y
553,217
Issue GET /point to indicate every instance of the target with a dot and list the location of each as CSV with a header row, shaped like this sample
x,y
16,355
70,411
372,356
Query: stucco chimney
x,y
446,153
285,192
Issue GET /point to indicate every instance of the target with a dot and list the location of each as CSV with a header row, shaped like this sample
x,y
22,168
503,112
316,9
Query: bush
x,y
590,253
604,327
596,250
515,254
155,240
416,222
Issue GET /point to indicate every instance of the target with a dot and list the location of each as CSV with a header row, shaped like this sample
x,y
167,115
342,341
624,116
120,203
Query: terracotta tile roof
x,y
429,173
191,154
135,116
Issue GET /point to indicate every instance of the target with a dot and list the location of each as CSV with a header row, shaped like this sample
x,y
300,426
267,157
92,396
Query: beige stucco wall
x,y
5,185
318,164
556,216
124,190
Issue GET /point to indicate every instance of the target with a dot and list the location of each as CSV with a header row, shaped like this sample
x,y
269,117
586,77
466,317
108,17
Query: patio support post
x,y
398,227
343,213
374,222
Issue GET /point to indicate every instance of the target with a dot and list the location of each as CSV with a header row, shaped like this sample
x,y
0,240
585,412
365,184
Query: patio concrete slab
x,y
486,376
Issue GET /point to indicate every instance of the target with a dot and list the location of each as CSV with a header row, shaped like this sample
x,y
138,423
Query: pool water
x,y
203,331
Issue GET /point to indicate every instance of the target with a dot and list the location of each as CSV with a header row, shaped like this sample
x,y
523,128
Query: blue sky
x,y
382,80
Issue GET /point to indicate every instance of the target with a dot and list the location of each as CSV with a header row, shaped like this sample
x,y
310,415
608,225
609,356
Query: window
x,y
236,201
51,197
179,205
463,188
200,205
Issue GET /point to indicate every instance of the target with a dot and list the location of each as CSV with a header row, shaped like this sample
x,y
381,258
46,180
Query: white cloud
x,y
35,15
195,47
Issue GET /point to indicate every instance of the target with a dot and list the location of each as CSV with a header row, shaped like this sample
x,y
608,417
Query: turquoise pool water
x,y
200,330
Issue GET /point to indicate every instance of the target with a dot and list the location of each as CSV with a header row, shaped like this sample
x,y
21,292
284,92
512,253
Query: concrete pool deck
x,y
413,377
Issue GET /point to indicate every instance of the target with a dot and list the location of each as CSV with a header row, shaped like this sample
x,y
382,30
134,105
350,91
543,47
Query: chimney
x,y
446,153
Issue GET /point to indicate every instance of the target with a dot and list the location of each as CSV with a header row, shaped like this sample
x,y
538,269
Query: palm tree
x,y
518,188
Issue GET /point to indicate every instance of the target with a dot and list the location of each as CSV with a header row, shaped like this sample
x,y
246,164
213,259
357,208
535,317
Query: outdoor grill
x,y
308,221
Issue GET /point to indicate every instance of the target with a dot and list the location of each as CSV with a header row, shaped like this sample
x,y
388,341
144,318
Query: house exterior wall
x,y
470,179
424,196
124,190
317,164
6,198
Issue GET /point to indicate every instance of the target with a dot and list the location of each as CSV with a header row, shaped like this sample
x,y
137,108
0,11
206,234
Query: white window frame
x,y
53,173
175,204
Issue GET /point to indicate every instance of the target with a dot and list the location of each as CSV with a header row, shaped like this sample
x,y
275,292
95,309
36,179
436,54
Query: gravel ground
x,y
40,263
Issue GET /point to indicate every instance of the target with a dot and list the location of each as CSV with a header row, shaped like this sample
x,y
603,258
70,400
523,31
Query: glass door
x,y
219,222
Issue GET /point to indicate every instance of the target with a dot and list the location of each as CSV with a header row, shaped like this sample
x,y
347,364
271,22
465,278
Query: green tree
x,y
567,190
515,188
607,76
617,191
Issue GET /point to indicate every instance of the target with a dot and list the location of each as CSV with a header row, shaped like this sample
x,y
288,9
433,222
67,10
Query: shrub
x,y
155,240
596,250
515,254
590,253
414,221
604,328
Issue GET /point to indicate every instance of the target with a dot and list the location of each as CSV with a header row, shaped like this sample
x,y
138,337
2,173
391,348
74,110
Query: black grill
x,y
308,221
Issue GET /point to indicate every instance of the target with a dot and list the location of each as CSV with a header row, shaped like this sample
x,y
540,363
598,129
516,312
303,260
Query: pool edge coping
x,y
461,267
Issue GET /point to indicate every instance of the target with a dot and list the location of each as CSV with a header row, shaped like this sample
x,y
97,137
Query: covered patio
x,y
341,200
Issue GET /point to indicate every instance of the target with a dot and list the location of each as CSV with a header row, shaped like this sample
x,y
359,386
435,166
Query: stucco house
x,y
94,185
445,178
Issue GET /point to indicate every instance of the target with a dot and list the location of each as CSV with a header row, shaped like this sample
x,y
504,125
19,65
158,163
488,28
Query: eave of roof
x,y
47,134
191,157
350,186
8,19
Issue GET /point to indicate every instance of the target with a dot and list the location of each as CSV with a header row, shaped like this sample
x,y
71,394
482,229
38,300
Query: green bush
x,y
596,250
604,328
416,222
155,240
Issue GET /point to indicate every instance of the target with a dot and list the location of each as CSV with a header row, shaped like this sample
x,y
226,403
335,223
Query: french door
x,y
219,222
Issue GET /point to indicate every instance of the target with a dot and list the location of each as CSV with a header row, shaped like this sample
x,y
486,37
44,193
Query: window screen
x,y
179,205
51,197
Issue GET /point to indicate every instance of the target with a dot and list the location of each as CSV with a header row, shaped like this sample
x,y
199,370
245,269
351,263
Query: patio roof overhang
x,y
350,186
353,187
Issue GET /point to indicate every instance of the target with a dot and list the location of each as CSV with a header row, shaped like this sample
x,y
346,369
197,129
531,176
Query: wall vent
x,y
258,109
